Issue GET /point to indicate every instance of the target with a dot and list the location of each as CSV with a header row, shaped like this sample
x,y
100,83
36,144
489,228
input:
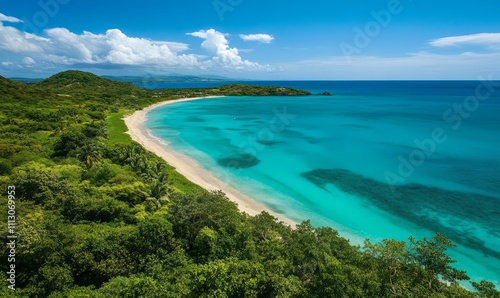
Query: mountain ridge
x,y
76,78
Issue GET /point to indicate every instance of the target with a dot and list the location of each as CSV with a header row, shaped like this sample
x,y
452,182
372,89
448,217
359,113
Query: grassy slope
x,y
117,135
117,128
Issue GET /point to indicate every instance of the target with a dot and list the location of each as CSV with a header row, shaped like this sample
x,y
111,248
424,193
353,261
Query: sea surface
x,y
380,159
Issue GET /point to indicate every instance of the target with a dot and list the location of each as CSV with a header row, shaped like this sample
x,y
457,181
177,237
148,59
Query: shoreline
x,y
188,167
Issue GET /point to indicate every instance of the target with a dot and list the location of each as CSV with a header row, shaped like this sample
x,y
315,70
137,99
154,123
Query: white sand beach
x,y
187,166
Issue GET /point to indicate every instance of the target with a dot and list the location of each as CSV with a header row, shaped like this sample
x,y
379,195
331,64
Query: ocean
x,y
380,159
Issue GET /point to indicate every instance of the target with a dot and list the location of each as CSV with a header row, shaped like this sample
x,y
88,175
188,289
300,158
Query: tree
x,y
155,235
335,279
97,209
40,184
394,260
5,167
100,252
486,289
90,154
51,278
153,204
205,245
269,235
160,189
224,278
71,139
131,193
131,287
305,251
430,254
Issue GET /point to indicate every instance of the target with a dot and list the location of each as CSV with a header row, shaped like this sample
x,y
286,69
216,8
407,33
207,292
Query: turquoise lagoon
x,y
378,160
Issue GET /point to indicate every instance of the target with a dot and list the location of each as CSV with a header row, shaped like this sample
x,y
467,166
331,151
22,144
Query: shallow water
x,y
368,162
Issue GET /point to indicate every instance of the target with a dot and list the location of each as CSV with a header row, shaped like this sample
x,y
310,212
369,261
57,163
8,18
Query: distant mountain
x,y
166,79
27,81
74,79
172,78
92,87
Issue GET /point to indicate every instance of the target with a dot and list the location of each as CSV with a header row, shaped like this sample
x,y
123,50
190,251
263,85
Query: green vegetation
x,y
98,216
116,129
246,90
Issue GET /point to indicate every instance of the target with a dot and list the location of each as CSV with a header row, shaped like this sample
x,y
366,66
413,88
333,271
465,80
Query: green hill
x,y
11,88
73,79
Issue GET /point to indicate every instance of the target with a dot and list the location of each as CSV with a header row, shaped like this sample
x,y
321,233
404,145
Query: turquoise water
x,y
374,164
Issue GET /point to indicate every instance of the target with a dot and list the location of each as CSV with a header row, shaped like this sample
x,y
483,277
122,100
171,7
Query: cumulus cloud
x,y
28,61
488,39
264,38
216,43
60,46
13,40
65,47
4,18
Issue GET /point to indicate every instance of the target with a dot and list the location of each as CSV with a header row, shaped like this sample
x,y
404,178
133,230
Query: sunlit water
x,y
378,160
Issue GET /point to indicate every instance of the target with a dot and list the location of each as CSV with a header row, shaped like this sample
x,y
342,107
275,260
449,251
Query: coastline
x,y
188,167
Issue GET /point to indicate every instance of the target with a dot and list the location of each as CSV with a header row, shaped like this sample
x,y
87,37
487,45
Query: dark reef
x,y
241,161
414,201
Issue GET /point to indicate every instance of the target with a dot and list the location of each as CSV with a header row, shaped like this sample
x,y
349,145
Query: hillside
x,y
99,216
79,79
12,89
165,79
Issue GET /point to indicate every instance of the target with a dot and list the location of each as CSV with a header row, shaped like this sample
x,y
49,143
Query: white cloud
x,y
174,46
216,43
488,39
60,46
113,47
4,18
28,61
13,40
264,38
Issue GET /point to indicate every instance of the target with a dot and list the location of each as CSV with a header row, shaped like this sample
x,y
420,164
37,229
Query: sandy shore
x,y
187,166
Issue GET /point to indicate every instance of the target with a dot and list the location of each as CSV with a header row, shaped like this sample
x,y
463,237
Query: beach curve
x,y
187,166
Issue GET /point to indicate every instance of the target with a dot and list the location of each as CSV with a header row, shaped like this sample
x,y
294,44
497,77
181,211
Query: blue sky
x,y
341,40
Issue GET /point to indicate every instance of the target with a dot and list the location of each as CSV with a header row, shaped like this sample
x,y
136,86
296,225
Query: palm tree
x,y
155,171
90,154
155,204
138,163
129,152
160,189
